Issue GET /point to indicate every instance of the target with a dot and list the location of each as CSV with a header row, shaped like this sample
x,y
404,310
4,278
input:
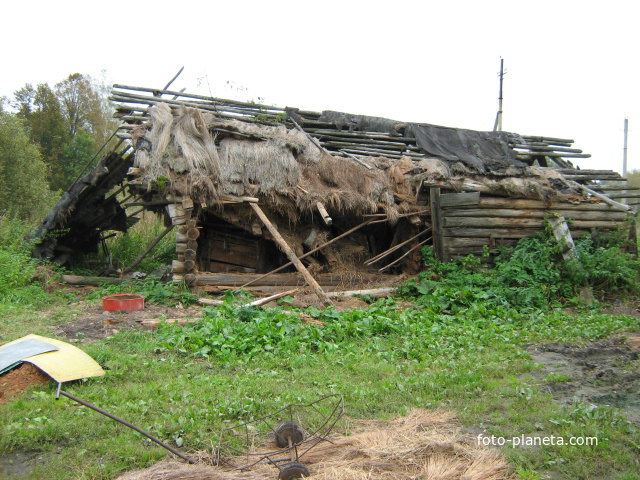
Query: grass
x,y
459,343
186,397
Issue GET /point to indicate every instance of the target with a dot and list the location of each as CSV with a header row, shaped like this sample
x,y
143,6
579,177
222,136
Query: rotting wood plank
x,y
492,222
537,213
291,254
503,222
310,252
436,222
459,199
606,187
93,281
276,279
500,202
563,236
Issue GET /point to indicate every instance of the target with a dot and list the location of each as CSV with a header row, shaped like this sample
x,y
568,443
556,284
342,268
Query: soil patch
x,y
424,444
17,380
94,324
603,373
20,464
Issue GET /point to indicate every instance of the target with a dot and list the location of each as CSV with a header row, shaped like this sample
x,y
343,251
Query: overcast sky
x,y
572,67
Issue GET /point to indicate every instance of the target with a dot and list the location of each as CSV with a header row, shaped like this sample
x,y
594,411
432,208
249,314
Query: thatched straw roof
x,y
203,155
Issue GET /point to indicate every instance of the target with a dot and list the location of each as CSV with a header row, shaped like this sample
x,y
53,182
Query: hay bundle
x,y
343,186
193,138
268,164
151,146
423,445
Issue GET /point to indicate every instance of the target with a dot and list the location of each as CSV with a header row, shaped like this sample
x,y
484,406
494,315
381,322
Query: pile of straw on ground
x,y
423,445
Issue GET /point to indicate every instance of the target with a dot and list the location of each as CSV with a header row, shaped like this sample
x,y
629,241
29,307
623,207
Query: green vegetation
x,y
530,277
24,192
125,247
457,340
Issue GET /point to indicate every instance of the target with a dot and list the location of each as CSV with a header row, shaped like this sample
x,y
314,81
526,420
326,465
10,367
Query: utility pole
x,y
497,126
624,150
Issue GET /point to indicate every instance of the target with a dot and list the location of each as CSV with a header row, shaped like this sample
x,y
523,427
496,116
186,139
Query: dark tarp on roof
x,y
362,123
484,152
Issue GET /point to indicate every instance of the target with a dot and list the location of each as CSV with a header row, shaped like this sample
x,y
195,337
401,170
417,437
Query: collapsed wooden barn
x,y
251,187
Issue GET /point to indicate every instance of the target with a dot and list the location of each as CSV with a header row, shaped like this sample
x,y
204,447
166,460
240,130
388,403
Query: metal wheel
x,y
293,470
286,431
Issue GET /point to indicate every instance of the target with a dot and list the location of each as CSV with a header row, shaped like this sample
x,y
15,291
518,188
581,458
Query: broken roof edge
x,y
361,135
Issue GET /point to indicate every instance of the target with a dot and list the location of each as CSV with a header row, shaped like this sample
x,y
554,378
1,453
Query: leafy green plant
x,y
531,276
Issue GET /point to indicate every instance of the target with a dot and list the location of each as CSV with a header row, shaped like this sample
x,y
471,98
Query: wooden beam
x,y
436,222
318,248
291,254
459,199
146,251
617,205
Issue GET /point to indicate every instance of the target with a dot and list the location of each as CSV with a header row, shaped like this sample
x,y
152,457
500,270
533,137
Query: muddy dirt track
x,y
603,373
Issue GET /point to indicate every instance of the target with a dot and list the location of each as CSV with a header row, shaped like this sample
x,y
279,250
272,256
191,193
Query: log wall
x,y
471,221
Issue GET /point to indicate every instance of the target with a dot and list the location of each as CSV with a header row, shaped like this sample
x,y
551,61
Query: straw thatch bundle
x,y
268,164
423,445
177,150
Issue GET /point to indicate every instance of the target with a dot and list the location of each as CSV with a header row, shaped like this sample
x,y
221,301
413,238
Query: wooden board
x,y
498,202
459,199
537,213
525,223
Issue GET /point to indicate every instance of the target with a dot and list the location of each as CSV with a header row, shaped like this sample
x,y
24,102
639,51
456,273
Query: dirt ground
x,y
94,324
17,380
603,373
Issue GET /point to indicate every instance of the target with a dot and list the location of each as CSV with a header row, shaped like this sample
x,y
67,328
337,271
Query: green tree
x,y
78,154
46,126
81,104
24,192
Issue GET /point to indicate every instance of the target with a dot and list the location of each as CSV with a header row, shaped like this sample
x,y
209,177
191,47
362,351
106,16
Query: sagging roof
x,y
210,148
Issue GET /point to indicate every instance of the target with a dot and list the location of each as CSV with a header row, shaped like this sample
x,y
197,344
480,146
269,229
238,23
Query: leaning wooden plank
x,y
291,254
617,205
380,256
147,250
437,222
404,255
318,248
563,236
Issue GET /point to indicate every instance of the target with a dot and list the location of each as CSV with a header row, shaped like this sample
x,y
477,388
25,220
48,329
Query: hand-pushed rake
x,y
290,439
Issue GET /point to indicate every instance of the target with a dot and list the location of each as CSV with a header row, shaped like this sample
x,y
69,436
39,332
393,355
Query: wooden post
x,y
563,236
436,223
290,254
325,215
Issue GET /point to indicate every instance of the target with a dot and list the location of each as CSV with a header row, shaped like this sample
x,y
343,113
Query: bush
x,y
17,268
531,276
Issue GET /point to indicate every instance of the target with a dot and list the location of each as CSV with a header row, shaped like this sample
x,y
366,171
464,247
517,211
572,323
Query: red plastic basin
x,y
129,302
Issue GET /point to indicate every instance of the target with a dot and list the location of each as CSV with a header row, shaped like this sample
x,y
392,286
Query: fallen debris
x,y
255,303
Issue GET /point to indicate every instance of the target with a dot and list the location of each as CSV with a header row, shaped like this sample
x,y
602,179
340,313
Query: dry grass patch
x,y
422,445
